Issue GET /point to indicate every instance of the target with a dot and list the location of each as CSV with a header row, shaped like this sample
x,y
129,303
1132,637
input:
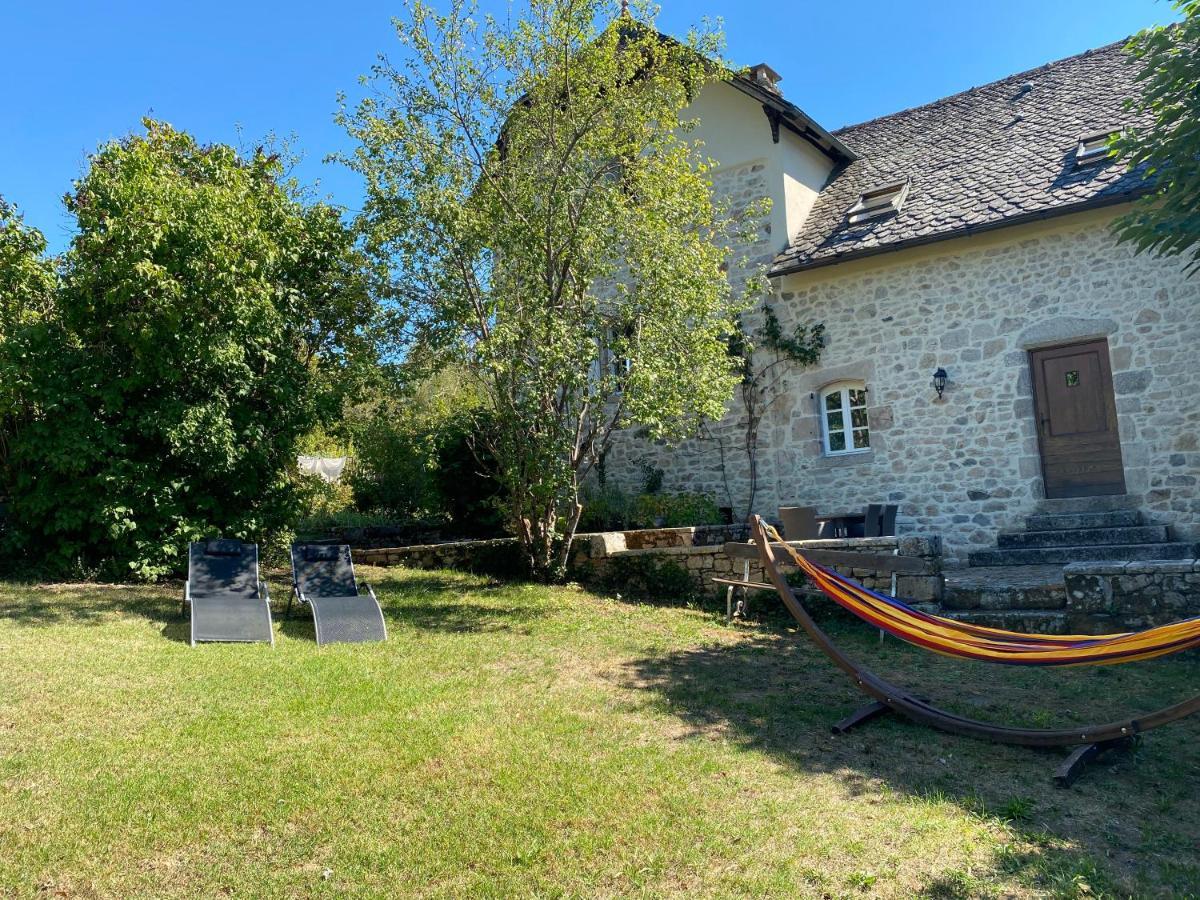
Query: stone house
x,y
970,235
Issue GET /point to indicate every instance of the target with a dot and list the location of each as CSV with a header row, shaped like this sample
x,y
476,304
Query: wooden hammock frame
x,y
1089,741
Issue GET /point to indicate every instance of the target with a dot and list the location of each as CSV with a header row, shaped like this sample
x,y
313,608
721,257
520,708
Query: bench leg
x,y
860,716
1073,766
743,606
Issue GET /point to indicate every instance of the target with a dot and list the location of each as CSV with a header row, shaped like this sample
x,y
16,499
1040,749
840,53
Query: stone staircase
x,y
1019,585
1019,598
1058,539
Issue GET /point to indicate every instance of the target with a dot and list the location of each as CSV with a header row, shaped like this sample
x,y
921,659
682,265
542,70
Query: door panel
x,y
1077,420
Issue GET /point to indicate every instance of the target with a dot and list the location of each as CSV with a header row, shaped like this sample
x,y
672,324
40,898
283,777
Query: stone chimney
x,y
766,77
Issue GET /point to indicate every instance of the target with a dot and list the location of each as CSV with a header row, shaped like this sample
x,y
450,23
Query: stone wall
x,y
495,557
501,556
702,563
677,561
967,466
1108,597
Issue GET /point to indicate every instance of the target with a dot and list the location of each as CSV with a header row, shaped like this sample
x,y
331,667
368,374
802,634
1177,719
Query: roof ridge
x,y
839,132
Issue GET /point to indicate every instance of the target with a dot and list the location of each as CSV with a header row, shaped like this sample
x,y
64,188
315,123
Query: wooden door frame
x,y
1041,415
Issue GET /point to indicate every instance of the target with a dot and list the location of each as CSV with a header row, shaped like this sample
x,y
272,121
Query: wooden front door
x,y
1077,420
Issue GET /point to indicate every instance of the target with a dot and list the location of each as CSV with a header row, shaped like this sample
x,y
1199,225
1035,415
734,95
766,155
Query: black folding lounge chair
x,y
228,601
323,577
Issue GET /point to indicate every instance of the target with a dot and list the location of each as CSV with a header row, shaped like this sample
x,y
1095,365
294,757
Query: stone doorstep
x,y
1121,518
1005,588
1083,537
1136,567
1096,553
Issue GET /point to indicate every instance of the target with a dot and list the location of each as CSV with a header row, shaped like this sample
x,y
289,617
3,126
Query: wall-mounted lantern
x,y
939,381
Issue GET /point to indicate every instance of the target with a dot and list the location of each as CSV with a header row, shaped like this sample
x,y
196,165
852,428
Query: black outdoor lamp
x,y
939,381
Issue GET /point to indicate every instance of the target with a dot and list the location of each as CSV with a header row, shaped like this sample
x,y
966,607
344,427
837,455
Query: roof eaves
x,y
798,120
791,267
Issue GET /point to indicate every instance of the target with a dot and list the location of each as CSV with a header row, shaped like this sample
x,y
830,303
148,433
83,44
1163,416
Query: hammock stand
x,y
1088,741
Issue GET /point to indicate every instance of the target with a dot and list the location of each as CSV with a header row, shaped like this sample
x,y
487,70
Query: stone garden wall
x,y
632,568
966,466
494,557
499,556
667,563
1108,597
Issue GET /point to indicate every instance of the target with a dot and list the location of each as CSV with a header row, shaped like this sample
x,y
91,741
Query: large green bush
x,y
26,299
418,458
204,318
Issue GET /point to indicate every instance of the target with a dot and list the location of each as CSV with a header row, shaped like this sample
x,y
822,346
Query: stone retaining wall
x,y
501,556
1107,597
702,563
668,562
495,557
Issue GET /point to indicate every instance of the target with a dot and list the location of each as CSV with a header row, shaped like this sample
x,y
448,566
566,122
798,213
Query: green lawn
x,y
513,739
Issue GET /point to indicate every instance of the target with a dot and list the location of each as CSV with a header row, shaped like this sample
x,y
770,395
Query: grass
x,y
519,740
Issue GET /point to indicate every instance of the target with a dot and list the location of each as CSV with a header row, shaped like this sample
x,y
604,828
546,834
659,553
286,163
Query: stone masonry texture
x,y
968,465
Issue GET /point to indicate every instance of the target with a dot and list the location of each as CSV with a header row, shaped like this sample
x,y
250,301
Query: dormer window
x,y
879,202
1093,148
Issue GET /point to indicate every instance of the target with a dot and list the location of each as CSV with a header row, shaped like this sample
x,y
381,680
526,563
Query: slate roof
x,y
992,156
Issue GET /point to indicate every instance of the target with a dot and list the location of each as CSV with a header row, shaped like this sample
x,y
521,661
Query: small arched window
x,y
844,427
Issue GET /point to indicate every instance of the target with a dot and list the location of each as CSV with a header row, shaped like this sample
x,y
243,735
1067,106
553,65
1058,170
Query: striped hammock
x,y
953,638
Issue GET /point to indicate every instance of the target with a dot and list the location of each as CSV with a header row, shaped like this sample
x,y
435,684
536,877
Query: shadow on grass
x,y
298,625
456,602
39,605
1127,820
464,617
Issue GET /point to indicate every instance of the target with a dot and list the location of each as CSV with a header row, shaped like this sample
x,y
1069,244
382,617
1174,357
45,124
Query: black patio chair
x,y
226,598
800,523
343,610
880,520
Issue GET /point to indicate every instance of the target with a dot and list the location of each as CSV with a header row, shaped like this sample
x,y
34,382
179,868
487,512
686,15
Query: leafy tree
x,y
1167,220
205,317
26,298
551,229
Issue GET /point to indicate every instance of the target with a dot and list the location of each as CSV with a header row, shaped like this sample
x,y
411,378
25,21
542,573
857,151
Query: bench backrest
x,y
324,570
223,567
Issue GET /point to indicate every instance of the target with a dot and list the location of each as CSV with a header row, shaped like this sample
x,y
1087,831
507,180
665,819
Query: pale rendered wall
x,y
735,131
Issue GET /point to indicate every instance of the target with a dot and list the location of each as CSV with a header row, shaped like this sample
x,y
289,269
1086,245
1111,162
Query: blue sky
x,y
82,72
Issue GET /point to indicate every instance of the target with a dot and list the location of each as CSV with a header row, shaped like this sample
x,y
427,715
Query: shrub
x,y
675,511
203,318
649,578
608,508
418,458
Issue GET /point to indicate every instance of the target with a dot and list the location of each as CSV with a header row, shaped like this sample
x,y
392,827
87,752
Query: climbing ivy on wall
x,y
766,355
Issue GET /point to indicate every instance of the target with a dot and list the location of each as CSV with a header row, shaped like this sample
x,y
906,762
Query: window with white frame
x,y
844,427
879,202
1093,148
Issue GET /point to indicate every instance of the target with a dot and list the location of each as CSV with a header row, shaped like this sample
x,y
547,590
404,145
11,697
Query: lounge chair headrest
x,y
314,552
223,548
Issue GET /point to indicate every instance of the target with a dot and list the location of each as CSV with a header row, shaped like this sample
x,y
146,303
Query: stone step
x,y
1117,518
1030,621
1044,556
1005,587
1079,537
1073,505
